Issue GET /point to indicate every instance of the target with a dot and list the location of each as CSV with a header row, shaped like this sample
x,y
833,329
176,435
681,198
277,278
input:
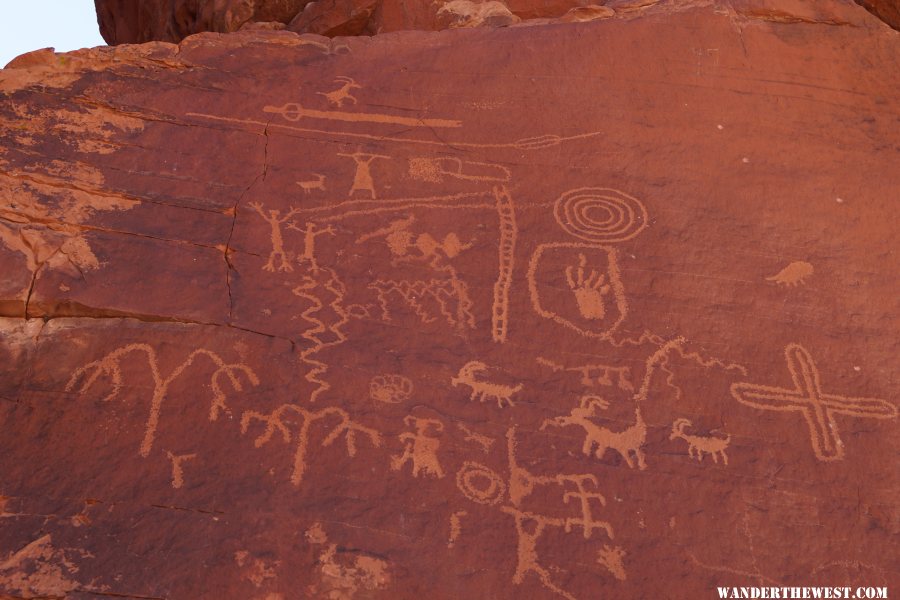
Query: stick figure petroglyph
x,y
362,180
275,220
309,242
420,448
338,96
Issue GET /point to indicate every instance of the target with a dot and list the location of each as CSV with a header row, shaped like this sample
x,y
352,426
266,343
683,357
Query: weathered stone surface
x,y
600,309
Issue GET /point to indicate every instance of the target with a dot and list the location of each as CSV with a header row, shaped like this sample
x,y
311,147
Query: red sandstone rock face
x,y
564,311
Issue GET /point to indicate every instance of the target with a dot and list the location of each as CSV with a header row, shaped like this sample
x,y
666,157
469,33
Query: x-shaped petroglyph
x,y
808,399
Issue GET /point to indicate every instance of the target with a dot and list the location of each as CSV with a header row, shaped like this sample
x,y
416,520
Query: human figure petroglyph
x,y
282,416
612,557
342,93
310,233
529,528
177,469
420,448
509,231
628,443
275,220
589,289
793,275
818,408
584,497
484,390
436,169
313,184
697,445
596,374
111,366
362,179
390,389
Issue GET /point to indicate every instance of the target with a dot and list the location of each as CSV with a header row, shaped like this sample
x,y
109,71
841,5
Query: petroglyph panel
x,y
452,316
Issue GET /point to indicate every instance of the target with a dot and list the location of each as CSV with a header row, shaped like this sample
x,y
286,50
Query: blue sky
x,y
27,25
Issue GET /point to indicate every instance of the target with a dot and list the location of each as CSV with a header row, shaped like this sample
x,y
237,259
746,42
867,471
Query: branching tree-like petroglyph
x,y
697,445
817,408
280,419
484,390
111,366
177,469
420,448
310,233
628,442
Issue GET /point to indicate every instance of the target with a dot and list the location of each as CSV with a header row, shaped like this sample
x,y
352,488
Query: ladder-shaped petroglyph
x,y
509,231
420,447
285,414
362,178
311,288
713,445
111,366
390,389
275,221
595,374
436,169
342,93
293,111
484,390
817,408
178,461
310,233
309,185
628,442
792,275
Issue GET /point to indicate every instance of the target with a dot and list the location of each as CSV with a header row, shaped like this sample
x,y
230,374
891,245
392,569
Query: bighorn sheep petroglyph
x,y
627,443
697,445
483,390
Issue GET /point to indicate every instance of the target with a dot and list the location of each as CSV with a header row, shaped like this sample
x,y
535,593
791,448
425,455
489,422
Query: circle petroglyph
x,y
391,389
600,215
480,484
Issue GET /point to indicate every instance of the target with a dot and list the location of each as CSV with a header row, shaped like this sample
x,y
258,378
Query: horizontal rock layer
x,y
601,309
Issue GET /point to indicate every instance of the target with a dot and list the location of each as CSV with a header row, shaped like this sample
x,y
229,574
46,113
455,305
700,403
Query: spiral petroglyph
x,y
600,215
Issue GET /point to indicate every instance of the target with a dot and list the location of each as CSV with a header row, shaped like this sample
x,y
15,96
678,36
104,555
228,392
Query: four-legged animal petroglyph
x,y
697,445
313,184
818,408
628,443
111,366
420,448
793,275
275,220
484,390
281,417
338,96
